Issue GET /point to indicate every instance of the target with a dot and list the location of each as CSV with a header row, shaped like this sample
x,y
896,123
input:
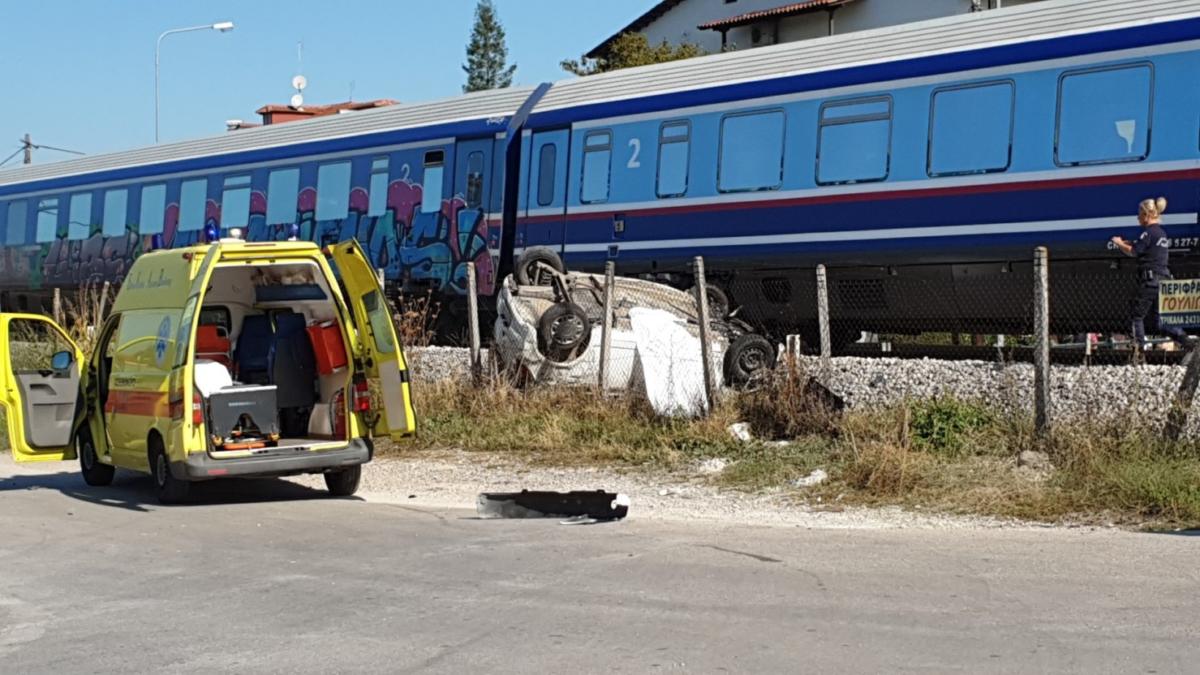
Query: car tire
x,y
527,271
343,482
95,473
563,331
749,357
170,490
718,301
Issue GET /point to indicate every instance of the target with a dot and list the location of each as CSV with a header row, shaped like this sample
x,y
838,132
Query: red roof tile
x,y
317,110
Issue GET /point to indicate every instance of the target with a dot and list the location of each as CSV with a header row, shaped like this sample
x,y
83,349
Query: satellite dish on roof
x,y
299,82
297,100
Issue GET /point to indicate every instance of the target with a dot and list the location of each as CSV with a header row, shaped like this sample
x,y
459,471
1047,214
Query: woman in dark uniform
x,y
1151,250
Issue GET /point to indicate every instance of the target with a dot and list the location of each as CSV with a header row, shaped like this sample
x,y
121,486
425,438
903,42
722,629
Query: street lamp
x,y
223,26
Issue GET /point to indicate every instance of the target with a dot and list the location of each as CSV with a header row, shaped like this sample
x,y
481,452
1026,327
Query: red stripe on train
x,y
1089,181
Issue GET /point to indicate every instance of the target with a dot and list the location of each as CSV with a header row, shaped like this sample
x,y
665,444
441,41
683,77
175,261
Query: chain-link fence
x,y
614,333
654,336
956,311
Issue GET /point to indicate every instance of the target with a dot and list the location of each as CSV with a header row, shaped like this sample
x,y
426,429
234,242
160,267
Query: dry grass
x,y
945,455
561,425
415,320
784,407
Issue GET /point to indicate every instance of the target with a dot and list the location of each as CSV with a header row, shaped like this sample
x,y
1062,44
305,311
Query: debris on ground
x,y
1032,459
740,431
815,478
595,505
713,465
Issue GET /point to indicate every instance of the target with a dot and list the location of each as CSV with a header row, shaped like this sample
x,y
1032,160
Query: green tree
x,y
629,50
487,55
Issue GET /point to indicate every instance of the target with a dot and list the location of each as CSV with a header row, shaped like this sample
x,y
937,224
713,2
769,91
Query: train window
x,y
79,219
597,167
377,197
751,154
333,191
154,204
14,230
192,196
674,150
970,129
853,141
47,220
235,202
431,189
283,187
546,162
116,205
474,194
1104,115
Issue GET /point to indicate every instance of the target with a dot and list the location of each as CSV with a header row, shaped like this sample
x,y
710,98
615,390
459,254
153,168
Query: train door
x,y
473,186
546,196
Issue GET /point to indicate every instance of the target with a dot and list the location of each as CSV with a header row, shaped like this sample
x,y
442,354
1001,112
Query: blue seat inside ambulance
x,y
292,363
254,349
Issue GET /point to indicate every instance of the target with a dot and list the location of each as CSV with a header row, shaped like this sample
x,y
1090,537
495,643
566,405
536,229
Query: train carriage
x,y
921,163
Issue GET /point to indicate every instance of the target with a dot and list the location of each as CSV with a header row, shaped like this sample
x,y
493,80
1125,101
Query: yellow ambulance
x,y
226,359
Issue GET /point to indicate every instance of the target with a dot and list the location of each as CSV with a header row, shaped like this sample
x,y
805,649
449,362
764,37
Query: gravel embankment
x,y
1141,393
1077,393
431,364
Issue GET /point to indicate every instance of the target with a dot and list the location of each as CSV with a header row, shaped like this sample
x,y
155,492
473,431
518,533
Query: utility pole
x,y
28,146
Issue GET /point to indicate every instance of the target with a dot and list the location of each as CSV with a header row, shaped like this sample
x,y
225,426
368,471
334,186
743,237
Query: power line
x,y
38,146
10,157
28,146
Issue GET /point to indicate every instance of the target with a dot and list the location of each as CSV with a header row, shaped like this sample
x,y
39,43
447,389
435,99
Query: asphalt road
x,y
269,576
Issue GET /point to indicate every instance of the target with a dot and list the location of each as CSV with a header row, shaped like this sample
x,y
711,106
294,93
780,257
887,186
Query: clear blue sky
x,y
80,73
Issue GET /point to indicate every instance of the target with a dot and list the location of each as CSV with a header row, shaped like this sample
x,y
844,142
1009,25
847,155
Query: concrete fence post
x,y
473,320
705,337
823,316
610,275
1041,349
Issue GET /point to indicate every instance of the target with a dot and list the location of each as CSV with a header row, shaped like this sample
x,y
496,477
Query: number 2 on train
x,y
635,146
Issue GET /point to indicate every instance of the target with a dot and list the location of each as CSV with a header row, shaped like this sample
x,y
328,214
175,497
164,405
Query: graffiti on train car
x,y
418,249
65,262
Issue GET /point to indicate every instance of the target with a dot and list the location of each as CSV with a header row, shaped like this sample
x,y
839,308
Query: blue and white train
x,y
921,164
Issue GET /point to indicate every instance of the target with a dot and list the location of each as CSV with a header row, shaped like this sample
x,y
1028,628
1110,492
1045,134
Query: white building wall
x,y
680,23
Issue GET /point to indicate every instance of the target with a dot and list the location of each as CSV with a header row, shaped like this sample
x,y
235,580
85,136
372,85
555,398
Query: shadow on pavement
x,y
135,492
1193,532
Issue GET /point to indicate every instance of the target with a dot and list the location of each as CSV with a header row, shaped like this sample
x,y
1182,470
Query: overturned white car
x,y
549,329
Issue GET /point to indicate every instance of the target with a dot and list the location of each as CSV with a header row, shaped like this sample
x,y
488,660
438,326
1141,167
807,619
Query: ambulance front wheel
x,y
344,482
170,489
94,472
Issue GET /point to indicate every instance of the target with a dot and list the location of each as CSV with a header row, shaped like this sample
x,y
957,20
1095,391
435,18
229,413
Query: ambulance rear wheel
x,y
343,483
94,472
170,489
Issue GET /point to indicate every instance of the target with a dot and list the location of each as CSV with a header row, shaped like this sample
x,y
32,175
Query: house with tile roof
x,y
715,25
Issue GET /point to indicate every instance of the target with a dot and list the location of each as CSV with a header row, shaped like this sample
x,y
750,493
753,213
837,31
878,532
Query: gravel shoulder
x,y
454,481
